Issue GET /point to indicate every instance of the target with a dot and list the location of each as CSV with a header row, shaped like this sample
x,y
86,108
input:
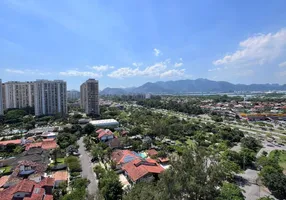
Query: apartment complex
x,y
73,95
1,99
89,98
18,94
50,97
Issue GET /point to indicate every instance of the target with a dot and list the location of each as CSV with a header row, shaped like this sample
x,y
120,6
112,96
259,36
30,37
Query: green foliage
x,y
99,171
230,191
88,129
110,186
79,190
73,164
171,105
15,115
66,139
251,143
190,176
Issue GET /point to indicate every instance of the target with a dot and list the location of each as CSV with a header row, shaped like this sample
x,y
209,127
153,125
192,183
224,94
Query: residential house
x,y
105,135
60,176
140,170
121,157
152,152
4,144
29,190
114,143
46,144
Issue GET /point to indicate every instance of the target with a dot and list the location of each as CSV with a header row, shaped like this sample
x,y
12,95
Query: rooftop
x,y
60,176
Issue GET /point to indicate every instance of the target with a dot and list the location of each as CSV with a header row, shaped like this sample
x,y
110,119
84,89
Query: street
x,y
87,170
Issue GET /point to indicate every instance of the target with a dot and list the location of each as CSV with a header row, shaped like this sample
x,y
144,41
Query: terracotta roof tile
x,y
123,156
60,176
3,180
4,143
104,132
138,168
49,197
152,152
49,144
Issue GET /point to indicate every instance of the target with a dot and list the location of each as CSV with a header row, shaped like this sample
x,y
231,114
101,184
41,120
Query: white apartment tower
x,y
18,94
50,97
89,98
1,99
73,95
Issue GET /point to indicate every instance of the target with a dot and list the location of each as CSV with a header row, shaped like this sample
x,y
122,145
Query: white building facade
x,y
73,95
18,94
89,97
50,97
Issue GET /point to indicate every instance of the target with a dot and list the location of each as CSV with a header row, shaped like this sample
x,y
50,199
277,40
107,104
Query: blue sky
x,y
127,43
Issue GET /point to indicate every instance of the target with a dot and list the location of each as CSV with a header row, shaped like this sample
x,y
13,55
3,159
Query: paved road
x,y
87,171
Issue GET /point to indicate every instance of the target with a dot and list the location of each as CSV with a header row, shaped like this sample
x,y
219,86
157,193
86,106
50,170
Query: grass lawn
x,y
59,161
282,157
6,169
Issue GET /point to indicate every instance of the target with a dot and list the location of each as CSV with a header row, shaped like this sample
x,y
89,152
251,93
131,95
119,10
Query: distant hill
x,y
190,86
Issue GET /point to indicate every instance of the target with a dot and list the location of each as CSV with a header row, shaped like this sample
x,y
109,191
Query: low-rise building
x,y
140,170
105,123
105,135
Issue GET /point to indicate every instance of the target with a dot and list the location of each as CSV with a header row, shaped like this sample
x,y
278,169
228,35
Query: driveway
x,y
87,170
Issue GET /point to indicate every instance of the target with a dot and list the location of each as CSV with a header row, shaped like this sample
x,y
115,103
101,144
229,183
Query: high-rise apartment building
x,y
1,99
18,94
89,98
50,97
73,95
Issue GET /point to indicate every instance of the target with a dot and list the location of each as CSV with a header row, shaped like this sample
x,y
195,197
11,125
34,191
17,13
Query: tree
x,y
230,191
251,143
110,186
88,129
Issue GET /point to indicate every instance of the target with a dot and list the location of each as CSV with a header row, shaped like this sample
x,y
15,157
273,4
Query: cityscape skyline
x,y
158,42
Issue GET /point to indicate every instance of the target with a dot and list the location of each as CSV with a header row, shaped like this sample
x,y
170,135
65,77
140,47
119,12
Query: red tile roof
x,y
49,144
47,182
36,190
46,144
152,152
37,194
33,145
3,180
104,132
119,156
49,197
60,176
24,186
4,143
49,139
137,169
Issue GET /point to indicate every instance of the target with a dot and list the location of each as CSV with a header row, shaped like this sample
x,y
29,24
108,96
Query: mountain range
x,y
191,86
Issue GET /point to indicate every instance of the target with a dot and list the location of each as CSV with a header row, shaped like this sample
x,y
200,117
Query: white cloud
x,y
178,64
215,69
101,68
156,70
137,64
157,52
181,59
16,71
173,73
153,70
79,73
27,71
283,64
256,50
